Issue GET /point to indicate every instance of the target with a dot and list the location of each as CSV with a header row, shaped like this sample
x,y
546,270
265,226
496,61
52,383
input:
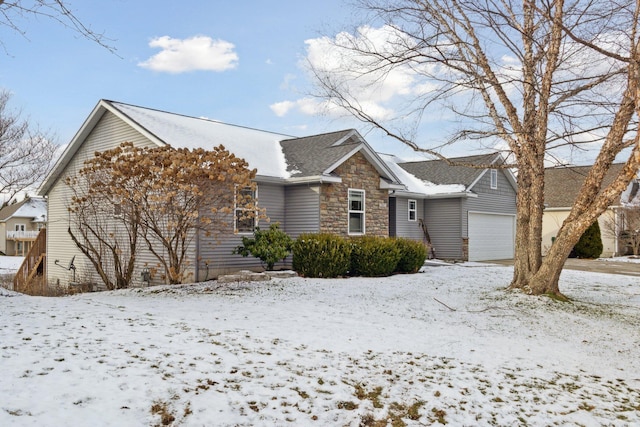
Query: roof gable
x,y
313,155
320,155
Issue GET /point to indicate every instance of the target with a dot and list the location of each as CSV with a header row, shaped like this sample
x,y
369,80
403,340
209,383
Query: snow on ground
x,y
629,258
10,264
449,345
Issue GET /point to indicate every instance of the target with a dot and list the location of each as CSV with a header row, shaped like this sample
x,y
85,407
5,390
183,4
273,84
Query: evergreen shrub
x,y
590,243
412,255
270,246
321,255
374,256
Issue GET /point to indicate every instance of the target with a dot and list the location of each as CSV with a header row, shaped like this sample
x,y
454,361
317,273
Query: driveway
x,y
597,266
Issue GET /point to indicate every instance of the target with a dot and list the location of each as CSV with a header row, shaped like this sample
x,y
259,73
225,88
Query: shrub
x,y
269,246
412,255
590,243
373,256
321,255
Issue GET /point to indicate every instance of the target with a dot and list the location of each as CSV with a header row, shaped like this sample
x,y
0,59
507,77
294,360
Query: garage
x,y
491,236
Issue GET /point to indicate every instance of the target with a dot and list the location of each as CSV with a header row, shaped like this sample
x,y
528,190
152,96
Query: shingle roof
x,y
562,184
441,173
312,155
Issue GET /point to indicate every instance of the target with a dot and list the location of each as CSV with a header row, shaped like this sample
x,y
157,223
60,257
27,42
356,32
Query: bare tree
x,y
187,191
105,221
533,77
26,154
57,10
159,196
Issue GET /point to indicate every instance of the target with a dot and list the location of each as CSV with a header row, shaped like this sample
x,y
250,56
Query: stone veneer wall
x,y
356,173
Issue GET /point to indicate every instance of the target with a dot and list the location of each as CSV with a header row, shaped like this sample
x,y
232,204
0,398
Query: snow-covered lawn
x,y
629,258
449,345
10,264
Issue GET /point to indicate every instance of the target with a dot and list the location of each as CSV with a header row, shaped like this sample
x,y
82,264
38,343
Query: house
x,y
20,224
469,213
333,182
561,187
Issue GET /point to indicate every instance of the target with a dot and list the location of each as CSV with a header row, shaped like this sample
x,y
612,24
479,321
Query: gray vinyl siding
x,y
404,227
443,219
504,187
271,197
216,254
107,134
501,200
302,213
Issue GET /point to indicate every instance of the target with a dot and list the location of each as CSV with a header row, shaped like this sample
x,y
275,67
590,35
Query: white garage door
x,y
491,236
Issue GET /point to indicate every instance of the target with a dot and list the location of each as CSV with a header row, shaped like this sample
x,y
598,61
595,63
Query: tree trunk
x,y
545,281
528,250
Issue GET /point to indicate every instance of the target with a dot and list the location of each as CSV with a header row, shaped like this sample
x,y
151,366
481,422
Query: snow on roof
x,y
261,149
34,208
415,184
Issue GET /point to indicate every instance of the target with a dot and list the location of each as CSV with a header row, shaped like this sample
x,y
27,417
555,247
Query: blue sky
x,y
240,61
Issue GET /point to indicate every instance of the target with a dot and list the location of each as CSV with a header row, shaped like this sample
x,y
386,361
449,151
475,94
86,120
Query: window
x,y
494,179
413,210
245,218
356,211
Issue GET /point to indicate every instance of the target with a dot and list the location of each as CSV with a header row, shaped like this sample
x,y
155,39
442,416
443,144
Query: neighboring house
x,y
333,183
469,213
20,224
561,187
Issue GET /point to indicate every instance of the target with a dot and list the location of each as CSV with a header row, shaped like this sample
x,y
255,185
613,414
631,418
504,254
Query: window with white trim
x,y
413,210
494,179
356,211
244,215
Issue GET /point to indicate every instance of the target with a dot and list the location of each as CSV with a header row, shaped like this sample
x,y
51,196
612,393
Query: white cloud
x,y
282,108
375,91
308,106
194,53
337,57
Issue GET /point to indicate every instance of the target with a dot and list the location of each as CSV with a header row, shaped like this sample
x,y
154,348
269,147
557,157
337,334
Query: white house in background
x,y
561,187
20,224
